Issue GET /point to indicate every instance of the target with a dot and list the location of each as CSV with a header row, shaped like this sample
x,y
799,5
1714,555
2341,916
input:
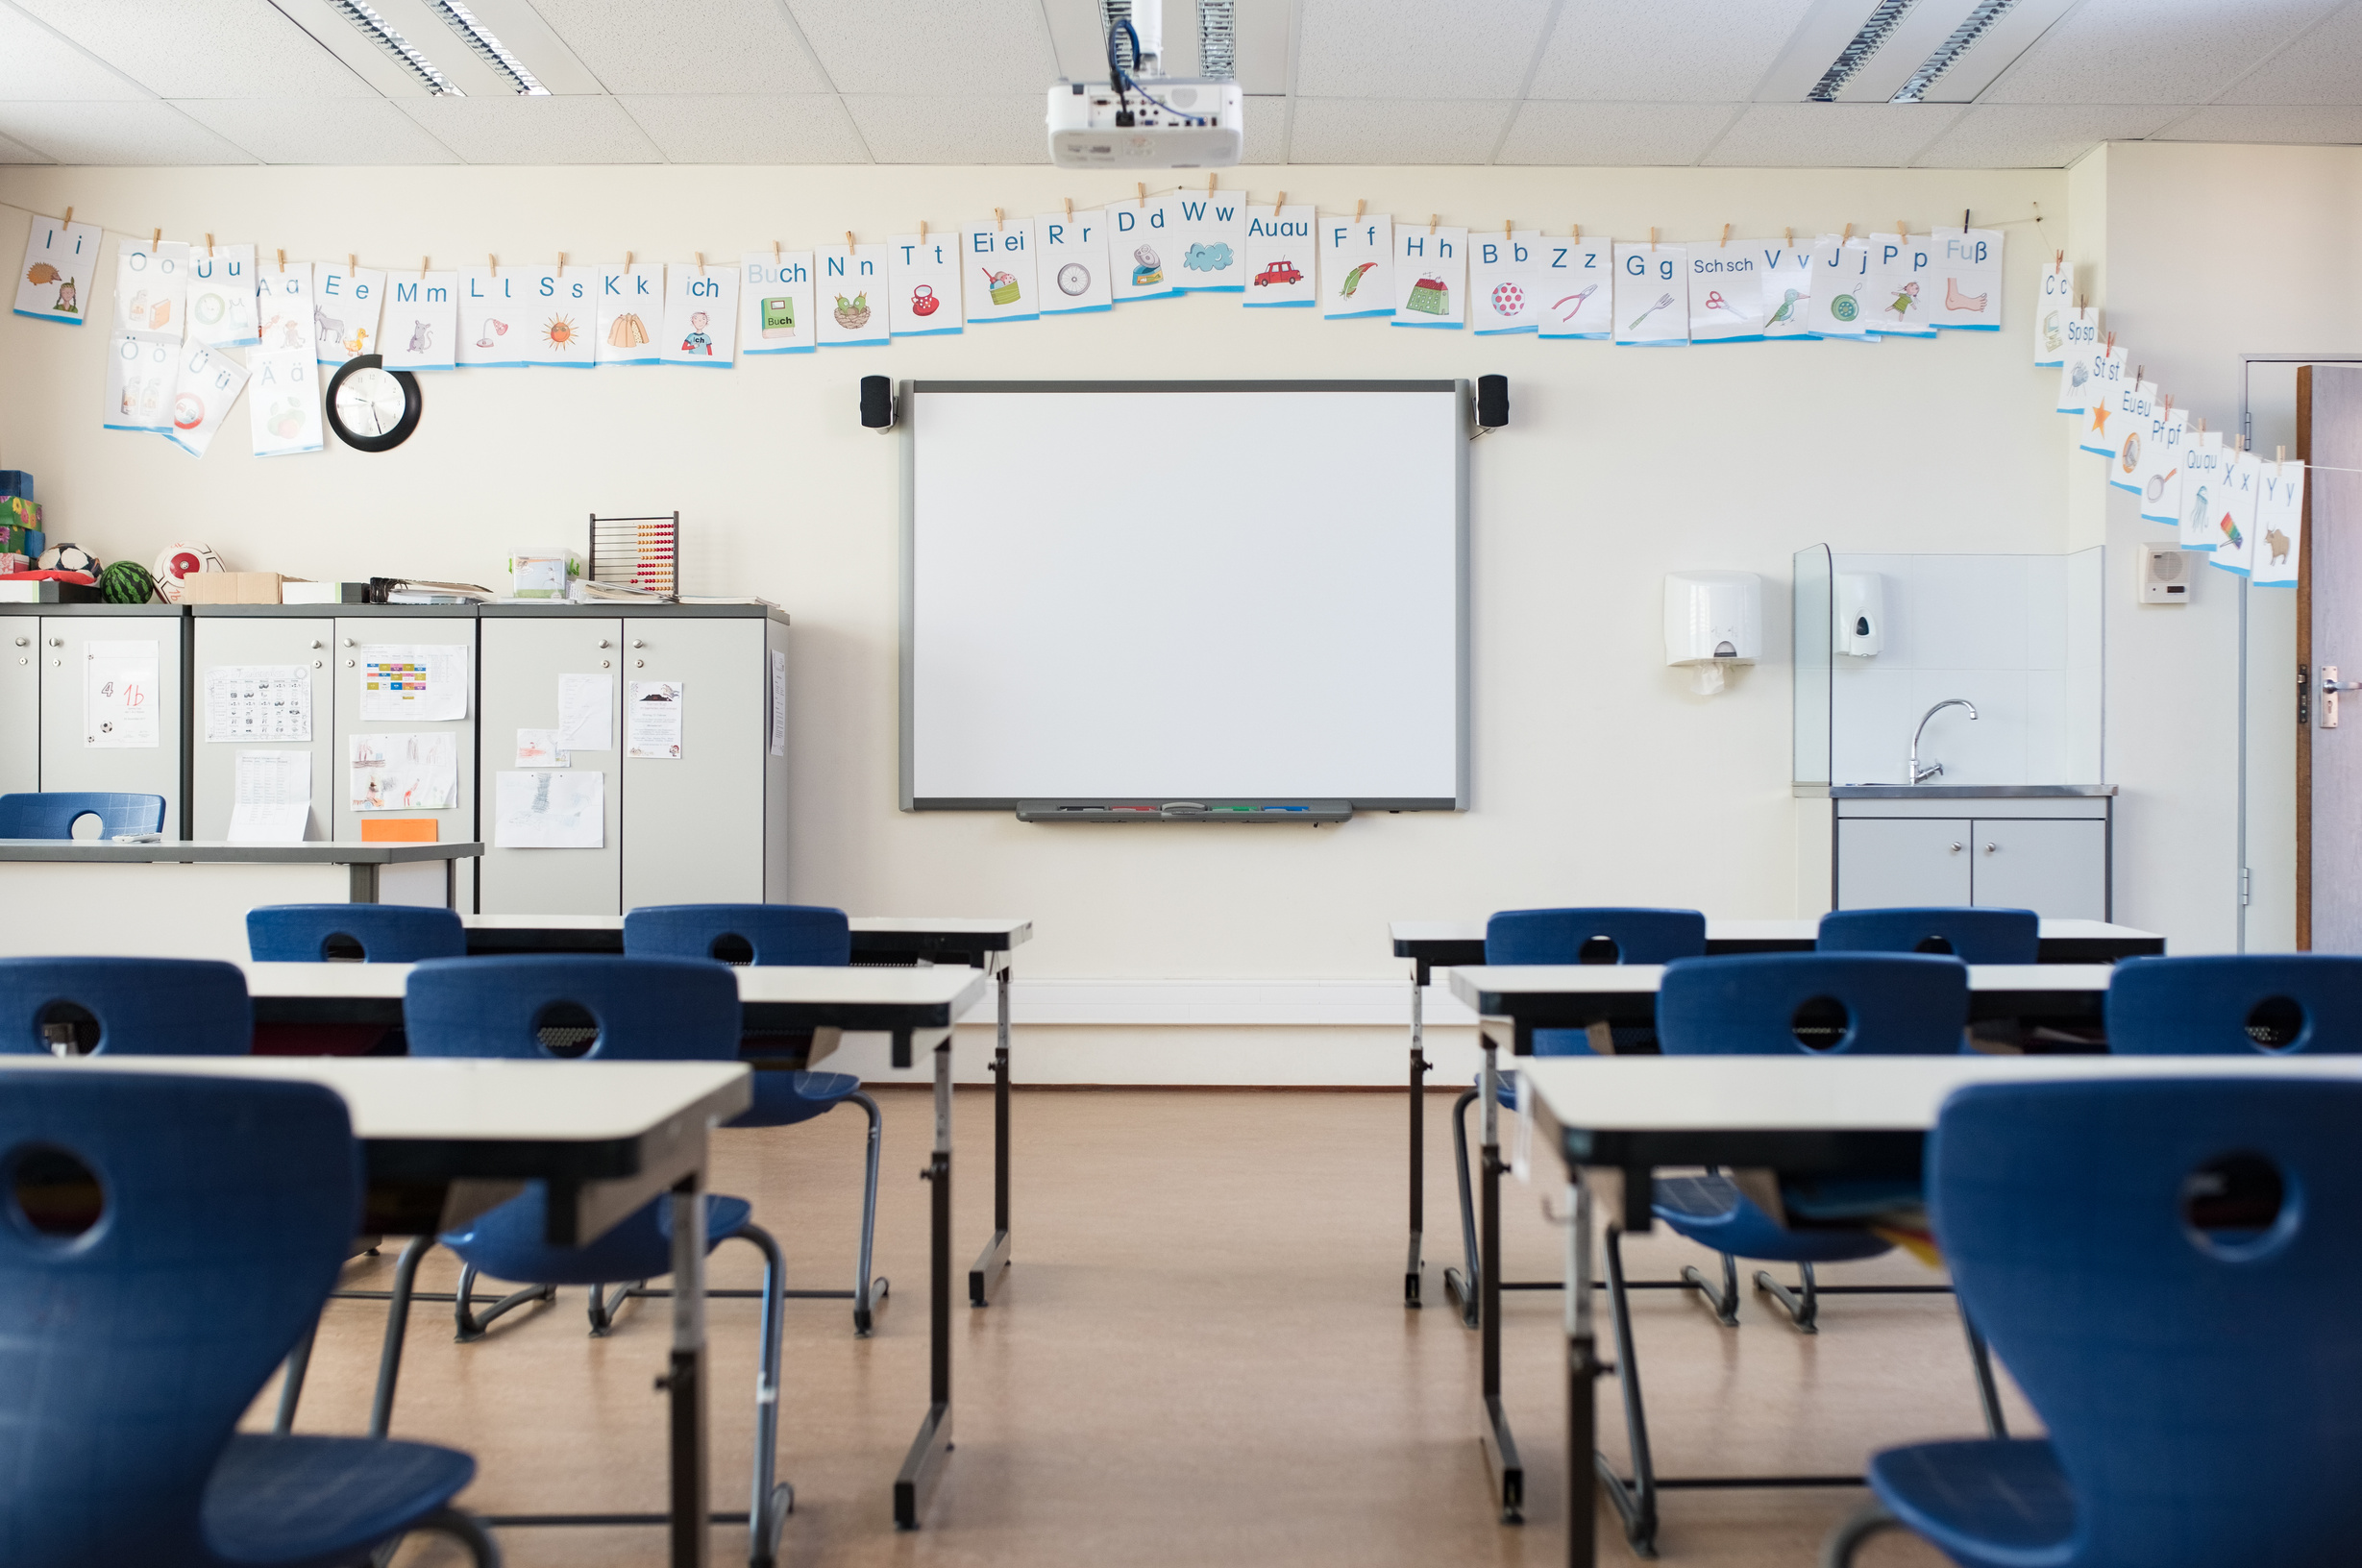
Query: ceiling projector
x,y
1137,119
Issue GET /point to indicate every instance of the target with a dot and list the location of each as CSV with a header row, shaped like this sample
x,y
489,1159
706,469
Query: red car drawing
x,y
1279,272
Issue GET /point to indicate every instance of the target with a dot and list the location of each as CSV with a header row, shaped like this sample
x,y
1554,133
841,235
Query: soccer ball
x,y
68,559
178,561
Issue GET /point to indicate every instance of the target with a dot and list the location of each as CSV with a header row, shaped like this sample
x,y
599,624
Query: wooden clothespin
x,y
209,244
351,261
1508,227
283,261
1070,201
1726,236
700,263
996,222
422,267
1357,212
2062,255
2279,456
1902,229
2059,258
2111,343
561,263
1652,241
1434,218
775,254
1210,178
923,230
1281,202
70,217
848,239
2139,374
1849,234
155,239
626,261
1142,186
1965,220
494,261
1788,239
1577,235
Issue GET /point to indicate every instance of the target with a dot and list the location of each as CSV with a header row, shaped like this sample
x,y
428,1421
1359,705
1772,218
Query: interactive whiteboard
x,y
1185,590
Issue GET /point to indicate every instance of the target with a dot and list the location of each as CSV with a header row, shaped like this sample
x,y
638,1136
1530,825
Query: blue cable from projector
x,y
1124,79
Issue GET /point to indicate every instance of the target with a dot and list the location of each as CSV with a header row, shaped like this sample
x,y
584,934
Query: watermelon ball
x,y
126,582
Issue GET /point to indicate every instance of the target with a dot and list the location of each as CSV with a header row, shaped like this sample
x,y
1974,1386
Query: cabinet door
x,y
523,656
2055,868
355,636
301,644
1885,862
692,826
20,704
70,760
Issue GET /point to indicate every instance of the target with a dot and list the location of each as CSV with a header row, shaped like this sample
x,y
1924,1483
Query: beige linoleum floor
x,y
1200,1357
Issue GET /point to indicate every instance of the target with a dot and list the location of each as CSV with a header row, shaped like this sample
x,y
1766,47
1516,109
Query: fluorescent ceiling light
x,y
380,32
487,48
1973,25
1858,50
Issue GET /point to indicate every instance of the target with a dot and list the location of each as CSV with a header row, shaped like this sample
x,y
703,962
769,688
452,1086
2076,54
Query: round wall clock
x,y
372,409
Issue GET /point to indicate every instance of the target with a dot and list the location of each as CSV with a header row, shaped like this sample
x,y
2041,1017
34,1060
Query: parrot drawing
x,y
1353,280
1787,308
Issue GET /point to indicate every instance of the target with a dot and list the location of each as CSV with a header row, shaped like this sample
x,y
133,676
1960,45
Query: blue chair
x,y
1605,935
2167,1267
1781,1004
134,1195
1971,935
51,814
591,1009
124,1007
374,933
766,934
2280,1004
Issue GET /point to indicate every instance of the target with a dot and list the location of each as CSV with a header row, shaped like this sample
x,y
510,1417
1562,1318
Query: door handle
x,y
2330,686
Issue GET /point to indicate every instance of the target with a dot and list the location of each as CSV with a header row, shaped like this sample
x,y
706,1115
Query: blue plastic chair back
x,y
1591,936
574,1005
805,934
2277,1003
2191,1355
384,933
1971,935
124,1007
1820,1004
50,814
133,1348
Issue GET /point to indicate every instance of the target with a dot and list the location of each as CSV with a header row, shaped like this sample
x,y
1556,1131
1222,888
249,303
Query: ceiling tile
x,y
1415,48
1830,135
141,132
17,151
2038,136
2270,122
743,128
318,130
1266,131
1374,131
204,48
533,130
34,63
686,46
954,130
910,46
1668,51
2325,66
1630,135
2151,50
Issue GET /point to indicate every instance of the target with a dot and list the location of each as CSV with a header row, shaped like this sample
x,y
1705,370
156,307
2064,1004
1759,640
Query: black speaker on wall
x,y
876,403
1491,402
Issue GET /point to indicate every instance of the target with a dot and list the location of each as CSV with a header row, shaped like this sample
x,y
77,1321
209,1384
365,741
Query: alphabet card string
x,y
1652,291
60,266
1577,297
1357,267
775,304
2279,525
1280,268
1505,280
1431,275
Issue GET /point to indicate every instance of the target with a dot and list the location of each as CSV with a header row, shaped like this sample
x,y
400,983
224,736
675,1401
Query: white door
x,y
692,826
20,703
1889,862
98,670
525,655
2057,868
285,642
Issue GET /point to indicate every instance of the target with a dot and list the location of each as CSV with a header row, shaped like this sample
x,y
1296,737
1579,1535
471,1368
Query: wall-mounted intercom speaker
x,y
876,403
2165,575
1491,402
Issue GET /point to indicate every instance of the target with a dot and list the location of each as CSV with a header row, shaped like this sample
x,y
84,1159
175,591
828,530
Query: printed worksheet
x,y
272,800
258,702
654,721
421,681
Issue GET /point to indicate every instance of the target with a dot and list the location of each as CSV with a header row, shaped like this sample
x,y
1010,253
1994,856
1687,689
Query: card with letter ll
x,y
1574,277
493,327
774,303
2279,525
700,315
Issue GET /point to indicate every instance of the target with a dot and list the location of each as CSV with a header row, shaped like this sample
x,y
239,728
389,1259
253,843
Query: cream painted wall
x,y
1597,776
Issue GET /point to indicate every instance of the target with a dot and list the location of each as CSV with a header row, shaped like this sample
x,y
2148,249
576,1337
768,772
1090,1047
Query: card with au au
x,y
1576,277
1280,268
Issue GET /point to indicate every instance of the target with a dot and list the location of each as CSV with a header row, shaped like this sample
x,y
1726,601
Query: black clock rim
x,y
413,403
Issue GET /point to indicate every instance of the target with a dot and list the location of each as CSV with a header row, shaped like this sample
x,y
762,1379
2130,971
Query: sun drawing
x,y
560,332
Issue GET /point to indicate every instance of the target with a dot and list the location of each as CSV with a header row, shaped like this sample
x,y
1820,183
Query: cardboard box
x,y
230,588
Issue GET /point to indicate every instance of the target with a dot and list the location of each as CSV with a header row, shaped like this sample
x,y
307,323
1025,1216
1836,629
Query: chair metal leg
x,y
1636,1500
397,1325
1725,1300
1804,1304
603,1309
770,1505
471,1328
868,1293
1465,1288
464,1528
1870,1519
291,1385
1988,1394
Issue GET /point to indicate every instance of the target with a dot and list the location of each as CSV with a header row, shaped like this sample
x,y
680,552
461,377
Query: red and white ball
x,y
178,561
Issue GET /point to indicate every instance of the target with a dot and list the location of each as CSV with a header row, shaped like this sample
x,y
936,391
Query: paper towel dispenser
x,y
1858,625
1713,620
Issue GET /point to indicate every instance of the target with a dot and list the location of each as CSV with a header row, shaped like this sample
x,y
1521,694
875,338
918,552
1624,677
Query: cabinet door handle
x,y
1990,848
639,642
1956,848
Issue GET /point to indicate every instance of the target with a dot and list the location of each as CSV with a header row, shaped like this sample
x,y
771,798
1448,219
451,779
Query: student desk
x,y
446,1139
917,1007
1433,945
1626,1116
184,898
877,939
1512,1001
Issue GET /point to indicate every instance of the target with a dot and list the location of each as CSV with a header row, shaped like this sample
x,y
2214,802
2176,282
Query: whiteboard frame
x,y
906,421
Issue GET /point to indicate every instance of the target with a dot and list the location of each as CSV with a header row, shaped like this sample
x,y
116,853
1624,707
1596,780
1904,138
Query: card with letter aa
x,y
1279,256
923,277
1785,283
1574,277
2053,308
1071,251
1652,295
2109,371
61,263
221,296
2205,462
345,308
630,314
996,277
2234,512
2081,330
207,383
422,321
493,330
774,303
282,402
1143,240
560,322
1842,297
1964,292
139,379
151,290
1357,268
700,315
851,295
1726,293
1213,241
1431,278
2134,427
1900,266
1505,282
284,317
2279,525
2160,473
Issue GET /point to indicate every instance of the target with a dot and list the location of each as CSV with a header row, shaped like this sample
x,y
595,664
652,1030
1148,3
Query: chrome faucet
x,y
1921,775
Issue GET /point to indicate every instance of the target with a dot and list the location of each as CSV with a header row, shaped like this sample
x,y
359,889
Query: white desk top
x,y
955,988
217,851
399,1098
1485,987
1018,930
1717,930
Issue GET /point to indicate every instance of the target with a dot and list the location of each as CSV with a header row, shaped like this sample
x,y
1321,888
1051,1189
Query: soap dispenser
x,y
1858,629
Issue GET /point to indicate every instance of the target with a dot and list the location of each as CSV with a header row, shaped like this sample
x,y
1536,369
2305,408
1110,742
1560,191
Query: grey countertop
x,y
1952,791
101,851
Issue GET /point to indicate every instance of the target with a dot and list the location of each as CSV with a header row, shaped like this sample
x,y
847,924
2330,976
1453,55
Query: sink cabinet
x,y
2049,854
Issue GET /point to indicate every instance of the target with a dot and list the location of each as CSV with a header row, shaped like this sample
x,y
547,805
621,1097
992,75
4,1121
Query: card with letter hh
x,y
422,321
1726,292
2279,525
561,322
221,295
630,314
996,276
1652,294
1431,278
1071,250
851,289
1213,241
700,315
1787,286
1357,267
1279,256
1902,270
1574,276
345,302
2053,308
923,284
774,303
61,263
1144,239
1841,289
1964,294
1505,280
